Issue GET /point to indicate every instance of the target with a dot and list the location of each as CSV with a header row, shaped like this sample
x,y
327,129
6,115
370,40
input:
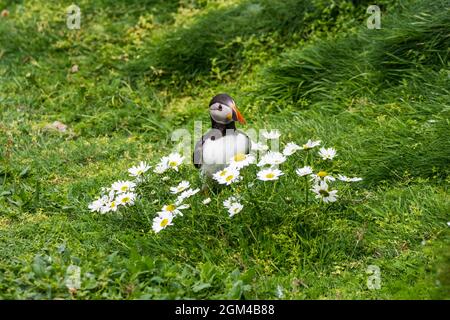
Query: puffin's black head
x,y
223,110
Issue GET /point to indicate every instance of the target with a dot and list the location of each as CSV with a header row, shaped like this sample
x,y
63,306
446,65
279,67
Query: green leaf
x,y
199,286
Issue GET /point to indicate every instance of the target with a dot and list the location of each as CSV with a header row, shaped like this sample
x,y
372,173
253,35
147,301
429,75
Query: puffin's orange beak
x,y
238,115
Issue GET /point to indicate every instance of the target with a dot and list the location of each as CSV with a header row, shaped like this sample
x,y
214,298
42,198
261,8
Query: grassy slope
x,y
146,68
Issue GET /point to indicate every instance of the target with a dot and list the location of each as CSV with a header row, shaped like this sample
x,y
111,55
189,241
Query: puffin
x,y
215,149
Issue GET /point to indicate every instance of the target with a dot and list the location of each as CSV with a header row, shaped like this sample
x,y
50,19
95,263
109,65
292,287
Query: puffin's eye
x,y
220,108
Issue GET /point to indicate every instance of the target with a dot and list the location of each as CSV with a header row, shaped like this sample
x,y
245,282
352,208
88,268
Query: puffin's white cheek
x,y
219,116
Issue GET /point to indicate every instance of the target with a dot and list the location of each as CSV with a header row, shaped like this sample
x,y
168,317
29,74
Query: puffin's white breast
x,y
220,151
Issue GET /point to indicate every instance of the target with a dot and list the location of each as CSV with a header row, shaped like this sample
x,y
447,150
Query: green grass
x,y
308,68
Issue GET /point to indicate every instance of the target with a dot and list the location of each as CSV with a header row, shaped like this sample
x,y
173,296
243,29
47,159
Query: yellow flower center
x,y
229,178
139,172
223,172
172,163
270,175
170,207
322,174
164,222
239,157
113,204
305,146
125,200
124,188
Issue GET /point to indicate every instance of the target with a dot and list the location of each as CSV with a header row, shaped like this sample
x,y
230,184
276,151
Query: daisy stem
x,y
306,190
273,191
306,158
306,177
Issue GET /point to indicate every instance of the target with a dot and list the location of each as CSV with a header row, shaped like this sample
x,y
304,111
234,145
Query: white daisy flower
x,y
307,170
270,135
186,194
311,144
290,149
98,204
327,154
322,192
235,208
112,205
161,167
109,203
123,186
241,160
206,201
347,179
174,160
257,146
139,170
189,193
220,174
233,205
174,209
269,174
227,203
272,158
183,185
322,176
162,221
230,175
126,198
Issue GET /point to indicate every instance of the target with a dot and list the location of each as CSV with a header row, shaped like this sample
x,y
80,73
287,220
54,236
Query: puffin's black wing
x,y
197,156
